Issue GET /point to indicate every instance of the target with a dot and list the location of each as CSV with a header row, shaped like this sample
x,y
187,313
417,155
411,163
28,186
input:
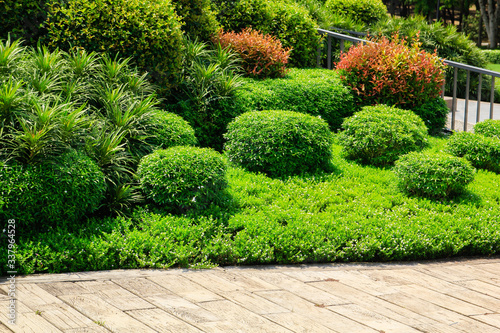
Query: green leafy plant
x,y
368,12
170,130
210,75
49,194
149,32
262,56
489,128
23,19
435,175
492,56
392,73
481,151
183,178
287,21
198,17
327,19
434,113
279,143
378,135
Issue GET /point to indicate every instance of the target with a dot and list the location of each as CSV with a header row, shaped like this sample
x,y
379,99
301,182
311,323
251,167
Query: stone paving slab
x,y
449,296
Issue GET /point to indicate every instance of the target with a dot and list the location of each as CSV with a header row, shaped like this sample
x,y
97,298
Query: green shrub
x,y
368,12
170,130
318,92
181,178
392,73
492,56
262,56
23,19
434,113
327,19
435,175
483,152
279,143
378,135
489,128
149,32
287,21
48,194
199,18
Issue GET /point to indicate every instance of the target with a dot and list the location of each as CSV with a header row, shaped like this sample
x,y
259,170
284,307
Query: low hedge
x,y
492,56
48,194
437,175
318,92
279,143
378,135
434,113
489,128
183,178
483,152
170,130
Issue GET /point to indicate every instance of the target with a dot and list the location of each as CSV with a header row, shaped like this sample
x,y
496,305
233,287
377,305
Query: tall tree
x,y
490,12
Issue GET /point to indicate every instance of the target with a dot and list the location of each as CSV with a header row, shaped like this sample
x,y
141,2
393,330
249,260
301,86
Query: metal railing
x,y
330,35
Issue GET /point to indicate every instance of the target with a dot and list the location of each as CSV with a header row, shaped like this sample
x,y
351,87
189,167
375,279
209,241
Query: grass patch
x,y
355,213
493,67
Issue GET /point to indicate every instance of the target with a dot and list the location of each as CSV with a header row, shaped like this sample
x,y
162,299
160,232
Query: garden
x,y
198,133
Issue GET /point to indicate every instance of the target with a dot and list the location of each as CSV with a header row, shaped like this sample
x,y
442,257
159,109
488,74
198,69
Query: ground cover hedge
x,y
356,213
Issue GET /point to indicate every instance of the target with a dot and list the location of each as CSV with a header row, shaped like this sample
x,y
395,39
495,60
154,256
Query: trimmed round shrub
x,y
182,178
392,73
287,21
378,135
262,56
318,92
365,11
435,175
489,128
483,152
170,130
198,17
49,194
434,113
279,143
148,31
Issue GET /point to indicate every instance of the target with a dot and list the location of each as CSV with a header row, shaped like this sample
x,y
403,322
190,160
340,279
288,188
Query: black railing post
x,y
454,100
492,97
479,88
466,112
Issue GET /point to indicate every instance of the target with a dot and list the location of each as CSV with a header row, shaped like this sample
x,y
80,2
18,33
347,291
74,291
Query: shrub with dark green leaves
x,y
489,128
182,178
198,17
23,19
318,92
287,21
434,113
492,56
483,152
147,31
436,175
170,130
49,194
378,135
368,12
279,143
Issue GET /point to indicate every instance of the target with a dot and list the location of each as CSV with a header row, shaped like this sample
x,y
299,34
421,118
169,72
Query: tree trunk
x,y
490,16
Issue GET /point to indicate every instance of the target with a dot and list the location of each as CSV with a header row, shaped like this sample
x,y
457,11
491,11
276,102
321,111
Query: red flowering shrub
x,y
392,73
263,55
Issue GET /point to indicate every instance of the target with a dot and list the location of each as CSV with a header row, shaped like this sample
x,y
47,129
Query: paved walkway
x,y
461,295
484,113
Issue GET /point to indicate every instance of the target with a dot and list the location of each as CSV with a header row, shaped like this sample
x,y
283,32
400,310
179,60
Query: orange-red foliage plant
x,y
392,72
263,56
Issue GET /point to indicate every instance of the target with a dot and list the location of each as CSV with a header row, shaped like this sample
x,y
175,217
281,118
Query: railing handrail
x,y
448,62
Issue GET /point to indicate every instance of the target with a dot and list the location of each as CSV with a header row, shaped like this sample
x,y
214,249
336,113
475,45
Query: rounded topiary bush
x,y
49,194
434,113
489,128
148,31
378,135
483,152
365,11
182,178
170,130
279,143
287,21
435,175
